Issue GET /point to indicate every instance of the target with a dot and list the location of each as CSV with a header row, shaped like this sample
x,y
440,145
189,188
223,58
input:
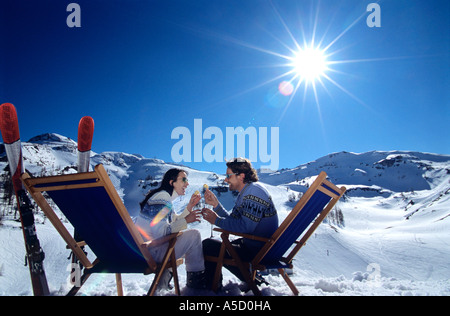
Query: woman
x,y
157,219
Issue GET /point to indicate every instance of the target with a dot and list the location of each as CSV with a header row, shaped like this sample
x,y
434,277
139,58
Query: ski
x,y
9,127
85,135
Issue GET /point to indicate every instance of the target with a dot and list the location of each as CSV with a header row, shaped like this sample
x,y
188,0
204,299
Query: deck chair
x,y
300,224
93,207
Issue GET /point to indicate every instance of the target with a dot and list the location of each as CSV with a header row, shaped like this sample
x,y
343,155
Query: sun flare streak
x,y
312,63
311,60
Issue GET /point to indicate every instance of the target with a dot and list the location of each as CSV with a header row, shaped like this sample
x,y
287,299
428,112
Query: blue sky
x,y
143,68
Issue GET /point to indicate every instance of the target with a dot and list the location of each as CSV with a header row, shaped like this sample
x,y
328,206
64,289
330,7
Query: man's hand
x,y
210,198
209,215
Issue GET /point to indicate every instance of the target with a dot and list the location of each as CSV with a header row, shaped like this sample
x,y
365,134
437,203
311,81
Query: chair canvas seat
x,y
104,232
299,224
91,204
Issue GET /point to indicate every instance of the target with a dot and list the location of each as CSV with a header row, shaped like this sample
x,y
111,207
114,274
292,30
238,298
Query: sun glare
x,y
309,64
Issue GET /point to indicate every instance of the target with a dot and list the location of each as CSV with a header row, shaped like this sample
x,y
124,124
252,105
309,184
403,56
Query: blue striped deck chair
x,y
92,205
288,239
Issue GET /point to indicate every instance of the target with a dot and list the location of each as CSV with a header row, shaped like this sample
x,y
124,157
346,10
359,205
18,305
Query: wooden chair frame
x,y
100,178
249,269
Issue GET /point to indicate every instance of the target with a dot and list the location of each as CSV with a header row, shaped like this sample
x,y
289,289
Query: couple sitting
x,y
254,213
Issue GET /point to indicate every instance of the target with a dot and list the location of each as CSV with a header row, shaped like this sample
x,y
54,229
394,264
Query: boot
x,y
164,282
196,280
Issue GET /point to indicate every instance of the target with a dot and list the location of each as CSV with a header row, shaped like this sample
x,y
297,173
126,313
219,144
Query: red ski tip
x,y
9,124
85,133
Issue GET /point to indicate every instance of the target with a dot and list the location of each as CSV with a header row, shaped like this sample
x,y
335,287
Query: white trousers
x,y
189,245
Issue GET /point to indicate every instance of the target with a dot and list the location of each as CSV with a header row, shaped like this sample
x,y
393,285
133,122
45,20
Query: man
x,y
254,213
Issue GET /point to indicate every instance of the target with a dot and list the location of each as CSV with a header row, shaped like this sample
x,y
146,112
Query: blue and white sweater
x,y
254,213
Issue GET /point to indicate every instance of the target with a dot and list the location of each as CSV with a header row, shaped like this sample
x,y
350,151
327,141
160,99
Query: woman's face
x,y
181,183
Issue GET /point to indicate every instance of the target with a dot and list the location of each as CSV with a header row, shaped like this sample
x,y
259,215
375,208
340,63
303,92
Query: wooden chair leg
x,y
245,272
119,284
288,281
254,275
167,256
154,285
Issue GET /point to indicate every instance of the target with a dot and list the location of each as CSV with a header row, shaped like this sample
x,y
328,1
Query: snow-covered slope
x,y
397,171
389,236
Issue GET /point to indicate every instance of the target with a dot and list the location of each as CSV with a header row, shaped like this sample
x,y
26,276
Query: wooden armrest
x,y
162,240
252,237
79,244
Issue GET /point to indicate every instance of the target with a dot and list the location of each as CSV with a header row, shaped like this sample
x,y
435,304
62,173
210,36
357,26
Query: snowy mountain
x,y
389,235
396,171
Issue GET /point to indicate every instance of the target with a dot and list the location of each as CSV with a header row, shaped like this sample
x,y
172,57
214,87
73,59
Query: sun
x,y
309,64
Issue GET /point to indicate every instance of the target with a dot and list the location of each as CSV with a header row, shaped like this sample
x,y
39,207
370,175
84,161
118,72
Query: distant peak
x,y
50,138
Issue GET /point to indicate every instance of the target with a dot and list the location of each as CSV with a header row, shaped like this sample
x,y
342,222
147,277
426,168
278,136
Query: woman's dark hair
x,y
243,165
170,175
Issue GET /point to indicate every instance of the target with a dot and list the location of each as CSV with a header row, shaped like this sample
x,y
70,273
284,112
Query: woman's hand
x,y
195,198
194,216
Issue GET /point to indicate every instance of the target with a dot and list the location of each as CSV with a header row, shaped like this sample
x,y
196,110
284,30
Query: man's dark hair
x,y
243,165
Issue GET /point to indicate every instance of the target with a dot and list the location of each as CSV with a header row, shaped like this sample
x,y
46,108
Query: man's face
x,y
235,181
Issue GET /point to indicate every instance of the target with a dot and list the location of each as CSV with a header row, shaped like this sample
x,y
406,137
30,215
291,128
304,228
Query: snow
x,y
394,239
